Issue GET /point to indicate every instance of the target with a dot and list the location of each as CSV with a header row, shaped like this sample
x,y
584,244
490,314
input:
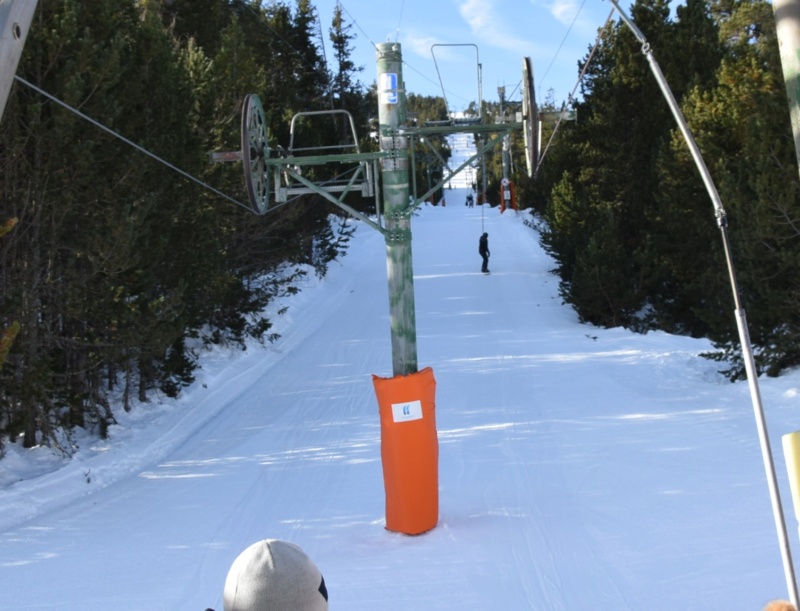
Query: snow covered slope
x,y
580,468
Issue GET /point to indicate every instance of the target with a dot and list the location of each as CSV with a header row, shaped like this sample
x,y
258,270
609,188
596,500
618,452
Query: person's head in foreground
x,y
274,575
780,605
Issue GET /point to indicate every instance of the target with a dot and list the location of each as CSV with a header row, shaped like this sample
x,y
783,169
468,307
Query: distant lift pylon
x,y
273,173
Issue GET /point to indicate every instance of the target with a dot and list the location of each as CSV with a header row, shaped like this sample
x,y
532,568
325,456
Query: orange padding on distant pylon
x,y
409,451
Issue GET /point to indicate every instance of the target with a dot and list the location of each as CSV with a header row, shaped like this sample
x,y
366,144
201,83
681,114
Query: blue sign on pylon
x,y
389,87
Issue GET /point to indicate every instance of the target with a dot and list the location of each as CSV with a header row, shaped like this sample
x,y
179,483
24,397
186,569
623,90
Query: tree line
x,y
626,215
114,269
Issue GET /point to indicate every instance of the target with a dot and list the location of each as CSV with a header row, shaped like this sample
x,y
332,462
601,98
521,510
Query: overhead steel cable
x,y
355,23
572,95
563,40
399,20
156,157
405,63
438,84
130,142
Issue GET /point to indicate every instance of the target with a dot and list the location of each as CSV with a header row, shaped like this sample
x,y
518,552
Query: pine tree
x,y
611,161
743,128
342,39
344,83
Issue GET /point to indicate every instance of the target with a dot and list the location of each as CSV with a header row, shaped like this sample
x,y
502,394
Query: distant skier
x,y
483,249
470,201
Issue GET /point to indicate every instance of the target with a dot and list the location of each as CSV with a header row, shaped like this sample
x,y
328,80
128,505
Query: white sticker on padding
x,y
403,412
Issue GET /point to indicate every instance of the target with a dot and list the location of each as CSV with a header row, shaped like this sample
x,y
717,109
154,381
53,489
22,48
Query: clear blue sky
x,y
555,34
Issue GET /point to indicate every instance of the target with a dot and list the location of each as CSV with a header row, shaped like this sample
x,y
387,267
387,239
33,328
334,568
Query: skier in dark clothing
x,y
483,249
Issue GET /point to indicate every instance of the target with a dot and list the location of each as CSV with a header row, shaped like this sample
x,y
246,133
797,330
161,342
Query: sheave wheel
x,y
530,117
255,151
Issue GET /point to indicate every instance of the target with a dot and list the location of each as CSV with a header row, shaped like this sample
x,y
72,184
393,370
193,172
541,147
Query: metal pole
x,y
787,26
477,59
483,169
501,92
506,155
15,21
399,266
483,138
741,320
428,160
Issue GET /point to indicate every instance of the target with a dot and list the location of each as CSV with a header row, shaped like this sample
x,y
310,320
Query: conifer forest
x,y
116,271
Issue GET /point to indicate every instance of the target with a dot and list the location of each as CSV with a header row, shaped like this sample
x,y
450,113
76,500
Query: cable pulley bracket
x,y
253,154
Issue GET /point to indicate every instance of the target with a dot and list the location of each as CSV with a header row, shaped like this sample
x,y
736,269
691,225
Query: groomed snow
x,y
580,468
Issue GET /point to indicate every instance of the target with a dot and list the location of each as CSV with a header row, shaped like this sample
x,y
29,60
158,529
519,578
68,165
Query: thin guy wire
x,y
571,95
131,143
400,20
355,23
148,153
563,40
430,80
555,56
405,63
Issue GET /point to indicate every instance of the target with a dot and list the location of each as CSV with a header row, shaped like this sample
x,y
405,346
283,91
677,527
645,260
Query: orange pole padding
x,y
513,197
508,199
409,451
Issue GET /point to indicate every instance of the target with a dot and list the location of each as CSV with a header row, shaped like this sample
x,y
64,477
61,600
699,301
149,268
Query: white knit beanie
x,y
274,575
